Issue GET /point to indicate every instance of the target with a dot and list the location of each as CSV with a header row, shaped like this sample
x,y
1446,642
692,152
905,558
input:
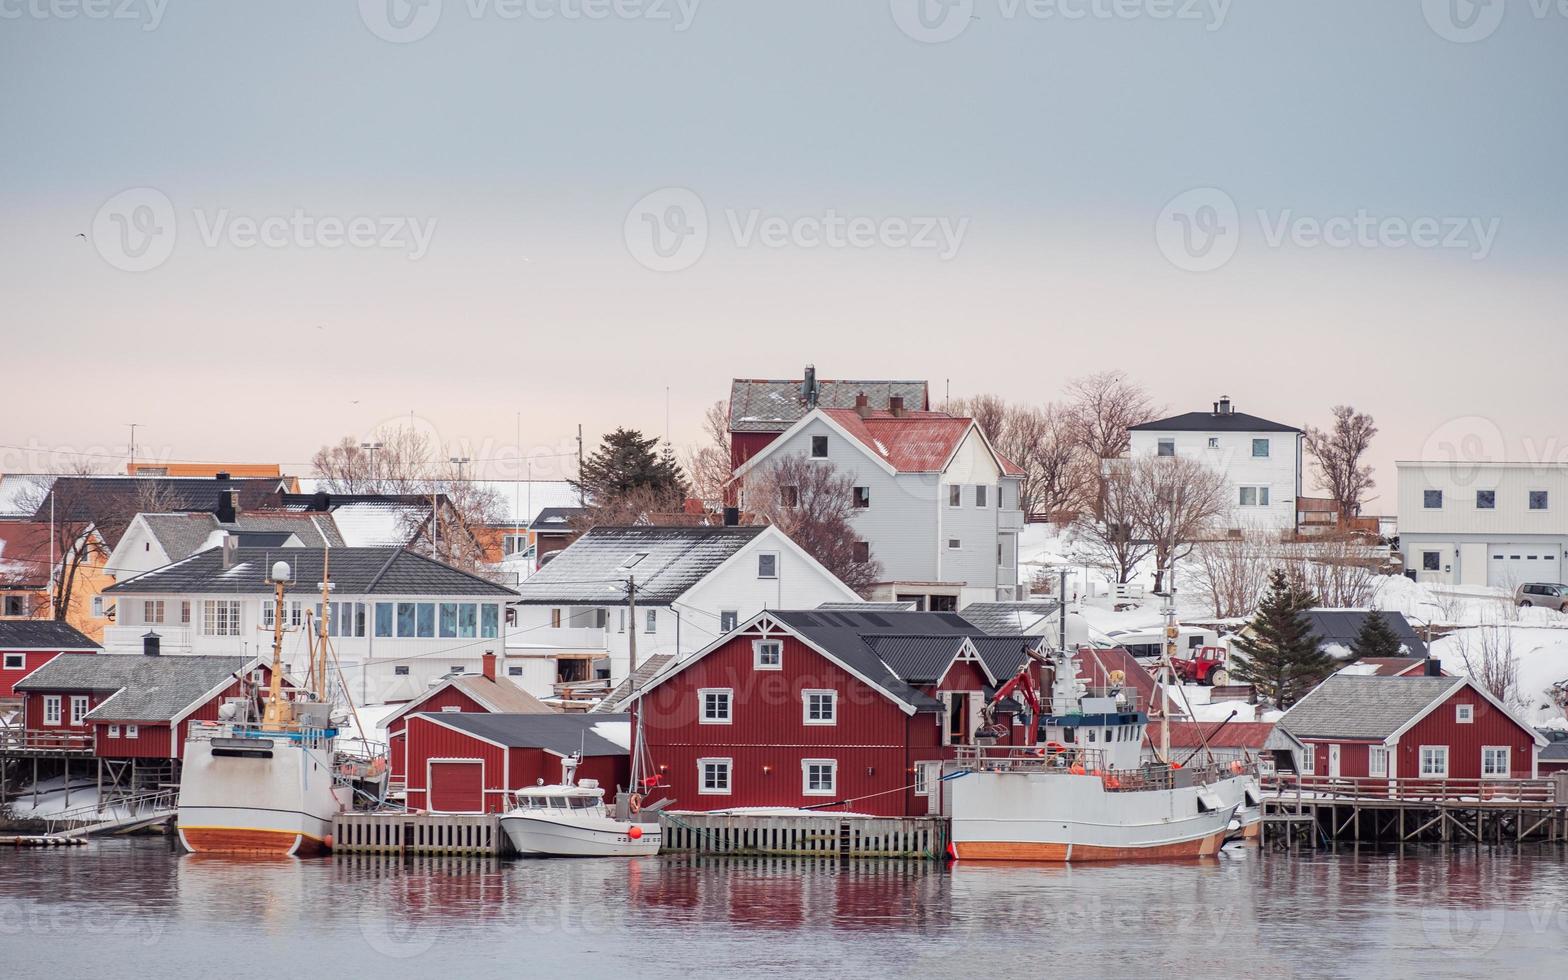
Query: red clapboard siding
x,y
428,741
151,742
1464,741
457,786
31,661
452,697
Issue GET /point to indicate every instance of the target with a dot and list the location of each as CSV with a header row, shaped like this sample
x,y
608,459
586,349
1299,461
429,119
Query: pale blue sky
x,y
1058,143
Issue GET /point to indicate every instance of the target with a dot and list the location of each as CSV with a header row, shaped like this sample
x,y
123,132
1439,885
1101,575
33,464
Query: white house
x,y
935,503
154,540
398,620
1484,523
692,585
1261,460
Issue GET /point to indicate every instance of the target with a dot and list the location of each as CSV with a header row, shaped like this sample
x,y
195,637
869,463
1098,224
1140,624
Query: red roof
x,y
24,554
1095,666
1396,666
912,442
1251,735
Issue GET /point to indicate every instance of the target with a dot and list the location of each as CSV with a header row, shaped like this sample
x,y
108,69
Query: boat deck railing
x,y
1050,759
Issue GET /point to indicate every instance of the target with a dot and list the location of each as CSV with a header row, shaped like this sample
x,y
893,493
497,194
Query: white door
x,y
1510,565
1333,762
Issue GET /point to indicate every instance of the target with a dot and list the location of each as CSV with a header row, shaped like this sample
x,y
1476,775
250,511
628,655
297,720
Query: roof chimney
x,y
808,387
230,543
221,476
1434,667
488,660
1223,406
732,517
862,405
895,404
228,506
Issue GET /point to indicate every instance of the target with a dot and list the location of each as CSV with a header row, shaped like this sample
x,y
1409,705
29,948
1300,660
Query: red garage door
x,y
457,787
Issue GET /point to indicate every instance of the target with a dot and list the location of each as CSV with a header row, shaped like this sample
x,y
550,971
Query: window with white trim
x,y
98,606
1165,447
1309,760
728,620
1464,714
768,565
1377,761
78,708
51,709
15,661
713,705
152,611
819,777
1260,449
1432,499
713,777
819,707
131,731
923,774
862,498
980,490
114,731
955,496
1496,762
767,654
1434,762
1254,496
819,447
220,617
651,623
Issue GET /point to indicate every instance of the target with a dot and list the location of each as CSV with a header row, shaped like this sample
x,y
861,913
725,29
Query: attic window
x,y
1464,714
819,447
634,559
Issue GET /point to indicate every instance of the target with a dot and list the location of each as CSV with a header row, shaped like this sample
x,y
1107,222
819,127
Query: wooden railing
x,y
21,740
1412,789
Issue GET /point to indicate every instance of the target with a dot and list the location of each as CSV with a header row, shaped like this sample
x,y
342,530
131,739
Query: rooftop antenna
x,y
132,447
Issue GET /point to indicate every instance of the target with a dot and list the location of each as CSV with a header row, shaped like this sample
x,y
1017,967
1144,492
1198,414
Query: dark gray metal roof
x,y
146,688
644,672
1340,626
1364,706
917,659
556,518
1036,618
1556,747
564,734
182,535
868,606
594,568
42,634
354,572
850,637
105,498
760,405
1213,422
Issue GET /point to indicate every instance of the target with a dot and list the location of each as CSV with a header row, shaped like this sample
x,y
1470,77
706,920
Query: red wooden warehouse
x,y
482,693
1360,726
461,762
852,710
27,644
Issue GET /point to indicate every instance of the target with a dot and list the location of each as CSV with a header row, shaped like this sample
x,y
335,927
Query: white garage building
x,y
1498,524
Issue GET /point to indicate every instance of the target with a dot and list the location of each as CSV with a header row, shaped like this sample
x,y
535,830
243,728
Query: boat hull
x,y
545,837
1035,816
279,802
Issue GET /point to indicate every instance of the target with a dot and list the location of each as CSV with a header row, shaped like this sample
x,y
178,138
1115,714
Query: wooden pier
x,y
825,836
1321,809
400,834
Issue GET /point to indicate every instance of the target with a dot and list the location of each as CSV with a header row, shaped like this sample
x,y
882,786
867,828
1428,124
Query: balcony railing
x,y
21,740
1415,789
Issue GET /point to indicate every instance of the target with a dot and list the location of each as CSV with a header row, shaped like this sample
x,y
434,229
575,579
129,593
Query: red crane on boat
x,y
1022,684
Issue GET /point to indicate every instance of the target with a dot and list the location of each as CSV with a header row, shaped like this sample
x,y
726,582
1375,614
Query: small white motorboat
x,y
571,820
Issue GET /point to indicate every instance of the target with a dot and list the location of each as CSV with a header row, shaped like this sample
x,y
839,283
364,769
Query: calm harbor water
x,y
133,908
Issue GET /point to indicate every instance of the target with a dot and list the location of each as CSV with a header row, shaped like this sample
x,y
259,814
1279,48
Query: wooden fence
x,y
1501,792
826,836
464,834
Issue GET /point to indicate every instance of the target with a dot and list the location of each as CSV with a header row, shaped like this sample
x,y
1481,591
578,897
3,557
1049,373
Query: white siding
x,y
1232,455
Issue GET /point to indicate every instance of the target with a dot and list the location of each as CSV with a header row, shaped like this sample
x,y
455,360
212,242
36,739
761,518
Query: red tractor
x,y
1207,665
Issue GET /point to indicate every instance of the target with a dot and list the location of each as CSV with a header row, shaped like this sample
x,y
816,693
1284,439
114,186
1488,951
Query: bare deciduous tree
x,y
1234,570
1337,453
1176,502
709,464
1101,407
1340,569
1114,540
813,502
1487,656
397,457
1041,441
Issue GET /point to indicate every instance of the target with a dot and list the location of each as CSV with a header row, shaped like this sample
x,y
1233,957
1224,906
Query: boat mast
x,y
274,716
1167,650
318,678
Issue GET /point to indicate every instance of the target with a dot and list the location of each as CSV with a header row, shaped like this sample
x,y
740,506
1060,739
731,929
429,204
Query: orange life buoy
x,y
634,804
1076,770
1039,752
1111,782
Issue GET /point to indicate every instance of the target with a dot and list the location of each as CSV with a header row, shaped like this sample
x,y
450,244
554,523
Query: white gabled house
x,y
1501,524
398,620
1261,460
575,626
935,503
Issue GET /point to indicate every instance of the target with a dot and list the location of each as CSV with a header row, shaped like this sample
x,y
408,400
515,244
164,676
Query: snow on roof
x,y
377,525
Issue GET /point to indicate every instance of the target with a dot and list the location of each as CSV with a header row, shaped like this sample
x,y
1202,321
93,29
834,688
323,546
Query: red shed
x,y
1360,726
27,644
826,708
468,763
483,693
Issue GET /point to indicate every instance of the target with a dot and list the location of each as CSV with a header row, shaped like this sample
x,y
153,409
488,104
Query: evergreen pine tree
x,y
1281,656
626,463
1376,639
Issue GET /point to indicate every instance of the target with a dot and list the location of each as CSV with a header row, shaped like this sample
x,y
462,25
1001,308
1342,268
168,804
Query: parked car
x,y
1552,595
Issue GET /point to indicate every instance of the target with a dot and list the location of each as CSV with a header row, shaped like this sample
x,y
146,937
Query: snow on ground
x,y
51,797
1542,656
1443,605
374,717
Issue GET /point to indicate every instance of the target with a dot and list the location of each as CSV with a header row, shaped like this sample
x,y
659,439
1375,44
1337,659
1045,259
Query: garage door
x,y
1510,565
457,787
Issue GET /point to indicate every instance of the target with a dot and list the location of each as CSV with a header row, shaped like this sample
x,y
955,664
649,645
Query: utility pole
x,y
631,625
581,502
133,426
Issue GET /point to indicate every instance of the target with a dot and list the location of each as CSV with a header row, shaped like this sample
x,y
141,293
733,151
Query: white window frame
x,y
1268,449
805,707
1464,714
79,708
1538,510
52,709
16,661
1160,445
131,731
955,544
924,773
98,607
702,776
1309,760
805,777
955,495
703,718
212,624
860,498
980,495
1427,506
114,731
766,576
152,612
1377,761
730,616
756,654
1508,761
651,621
1490,506
1439,751
1261,495
825,447
1214,442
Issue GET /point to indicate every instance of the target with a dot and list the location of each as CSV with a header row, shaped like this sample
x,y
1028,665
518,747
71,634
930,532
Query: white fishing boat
x,y
572,820
1084,793
271,774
